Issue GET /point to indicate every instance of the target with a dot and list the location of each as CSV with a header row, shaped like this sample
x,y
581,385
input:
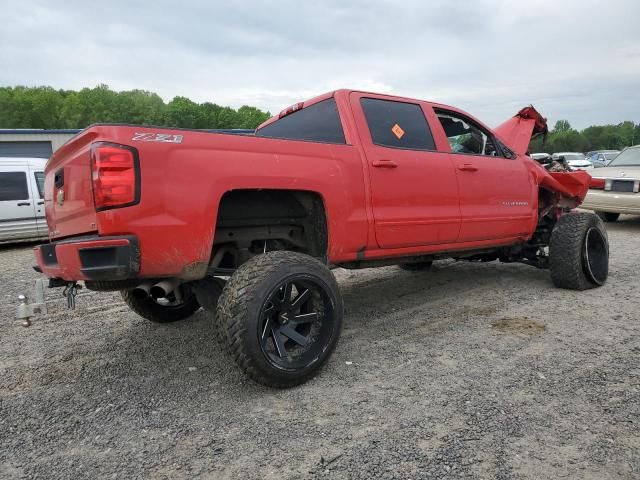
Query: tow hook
x,y
70,292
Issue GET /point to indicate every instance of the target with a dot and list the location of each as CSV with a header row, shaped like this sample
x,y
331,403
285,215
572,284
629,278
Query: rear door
x,y
414,192
17,209
498,198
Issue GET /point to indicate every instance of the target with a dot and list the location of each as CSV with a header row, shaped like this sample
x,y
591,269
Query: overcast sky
x,y
577,60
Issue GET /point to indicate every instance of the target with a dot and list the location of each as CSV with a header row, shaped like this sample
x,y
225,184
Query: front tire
x,y
282,315
163,310
579,252
608,216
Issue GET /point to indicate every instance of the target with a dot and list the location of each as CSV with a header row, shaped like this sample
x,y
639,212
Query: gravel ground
x,y
469,370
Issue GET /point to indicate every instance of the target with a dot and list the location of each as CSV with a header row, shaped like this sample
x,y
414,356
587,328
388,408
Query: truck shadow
x,y
189,354
104,339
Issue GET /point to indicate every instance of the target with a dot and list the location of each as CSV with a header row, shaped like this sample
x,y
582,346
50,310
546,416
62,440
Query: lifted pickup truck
x,y
248,226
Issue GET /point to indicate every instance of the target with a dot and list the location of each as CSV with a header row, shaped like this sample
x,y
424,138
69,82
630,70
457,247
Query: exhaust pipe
x,y
164,288
142,290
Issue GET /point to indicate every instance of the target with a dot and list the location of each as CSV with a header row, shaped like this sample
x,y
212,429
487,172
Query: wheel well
x,y
251,222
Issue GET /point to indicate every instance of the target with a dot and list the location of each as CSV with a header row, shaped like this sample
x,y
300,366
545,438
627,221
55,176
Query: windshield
x,y
629,157
573,156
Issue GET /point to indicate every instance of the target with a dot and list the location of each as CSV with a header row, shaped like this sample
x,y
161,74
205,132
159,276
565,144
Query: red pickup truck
x,y
247,226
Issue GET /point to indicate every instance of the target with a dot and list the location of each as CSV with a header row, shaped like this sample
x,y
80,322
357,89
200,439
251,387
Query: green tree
x,y
182,112
251,117
45,107
562,126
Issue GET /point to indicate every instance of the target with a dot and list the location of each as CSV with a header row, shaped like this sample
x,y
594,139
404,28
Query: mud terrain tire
x,y
579,252
282,315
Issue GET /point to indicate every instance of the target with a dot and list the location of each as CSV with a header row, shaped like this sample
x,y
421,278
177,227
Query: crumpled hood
x,y
518,131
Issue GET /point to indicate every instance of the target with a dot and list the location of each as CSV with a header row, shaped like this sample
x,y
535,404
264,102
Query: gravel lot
x,y
469,370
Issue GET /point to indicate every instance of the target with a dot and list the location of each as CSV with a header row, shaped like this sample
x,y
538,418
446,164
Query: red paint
x,y
380,202
597,183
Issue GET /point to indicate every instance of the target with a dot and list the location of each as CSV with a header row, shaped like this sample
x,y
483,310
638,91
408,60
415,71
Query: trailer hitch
x,y
27,311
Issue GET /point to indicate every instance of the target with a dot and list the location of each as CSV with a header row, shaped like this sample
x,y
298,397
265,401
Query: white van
x,y
22,199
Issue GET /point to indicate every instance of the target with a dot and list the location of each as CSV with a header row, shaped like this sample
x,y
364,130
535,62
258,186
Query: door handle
x,y
23,204
41,202
384,164
468,167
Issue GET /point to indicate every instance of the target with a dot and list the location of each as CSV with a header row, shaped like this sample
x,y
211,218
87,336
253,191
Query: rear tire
x,y
579,252
417,266
282,315
162,313
608,216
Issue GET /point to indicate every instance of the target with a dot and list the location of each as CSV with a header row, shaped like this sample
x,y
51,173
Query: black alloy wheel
x,y
296,323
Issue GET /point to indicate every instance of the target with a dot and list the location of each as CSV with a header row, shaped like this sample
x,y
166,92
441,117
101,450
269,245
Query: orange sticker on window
x,y
397,131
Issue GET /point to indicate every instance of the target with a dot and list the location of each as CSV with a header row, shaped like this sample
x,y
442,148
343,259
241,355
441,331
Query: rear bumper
x,y
615,202
90,258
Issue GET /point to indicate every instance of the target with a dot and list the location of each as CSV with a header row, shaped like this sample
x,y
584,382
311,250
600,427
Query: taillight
x,y
115,174
597,183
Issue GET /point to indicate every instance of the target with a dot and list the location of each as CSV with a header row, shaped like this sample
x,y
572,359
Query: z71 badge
x,y
157,137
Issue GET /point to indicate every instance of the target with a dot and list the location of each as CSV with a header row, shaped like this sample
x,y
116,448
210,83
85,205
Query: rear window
x,y
13,186
397,124
319,122
40,182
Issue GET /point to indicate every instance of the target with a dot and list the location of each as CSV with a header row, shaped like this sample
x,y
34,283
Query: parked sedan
x,y
601,158
615,188
575,160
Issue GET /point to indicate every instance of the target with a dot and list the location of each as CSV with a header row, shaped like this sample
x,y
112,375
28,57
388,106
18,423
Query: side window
x,y
13,186
319,122
397,124
466,137
40,182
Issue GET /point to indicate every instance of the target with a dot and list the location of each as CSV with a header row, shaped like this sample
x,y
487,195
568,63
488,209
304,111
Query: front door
x,y
17,209
414,191
498,197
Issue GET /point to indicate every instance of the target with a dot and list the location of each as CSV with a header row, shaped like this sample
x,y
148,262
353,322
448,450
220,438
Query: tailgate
x,y
69,205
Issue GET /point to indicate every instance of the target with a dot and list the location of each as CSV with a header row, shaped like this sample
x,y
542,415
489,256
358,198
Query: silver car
x,y
575,160
22,199
615,188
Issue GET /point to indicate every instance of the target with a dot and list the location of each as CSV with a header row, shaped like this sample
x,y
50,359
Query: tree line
x,y
564,138
46,107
